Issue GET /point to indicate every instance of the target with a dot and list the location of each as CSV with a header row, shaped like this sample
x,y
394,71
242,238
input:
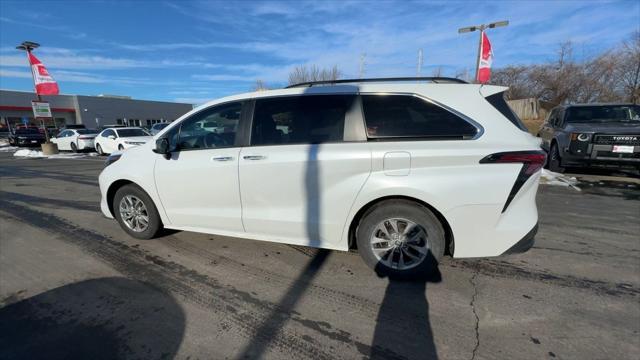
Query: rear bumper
x,y
524,244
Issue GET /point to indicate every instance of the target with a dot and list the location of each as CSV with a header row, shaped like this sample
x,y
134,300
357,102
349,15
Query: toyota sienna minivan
x,y
403,170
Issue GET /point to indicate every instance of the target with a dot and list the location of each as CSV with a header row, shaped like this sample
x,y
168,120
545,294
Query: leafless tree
x,y
306,73
260,85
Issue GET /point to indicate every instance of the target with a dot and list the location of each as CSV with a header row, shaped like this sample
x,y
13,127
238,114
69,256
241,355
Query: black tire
x,y
99,150
411,211
554,159
155,223
74,148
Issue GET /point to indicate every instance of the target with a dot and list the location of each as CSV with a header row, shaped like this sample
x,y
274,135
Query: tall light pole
x,y
28,46
481,28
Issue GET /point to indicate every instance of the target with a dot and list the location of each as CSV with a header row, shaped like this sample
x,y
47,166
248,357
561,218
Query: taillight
x,y
532,161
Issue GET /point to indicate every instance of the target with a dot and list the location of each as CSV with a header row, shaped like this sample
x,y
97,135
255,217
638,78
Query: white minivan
x,y
404,170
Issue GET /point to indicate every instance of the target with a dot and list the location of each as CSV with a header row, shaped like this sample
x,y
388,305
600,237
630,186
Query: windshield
x,y
132,132
27,131
160,126
604,113
86,131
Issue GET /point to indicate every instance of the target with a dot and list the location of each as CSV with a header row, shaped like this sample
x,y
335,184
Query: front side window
x,y
212,128
132,132
108,133
300,120
401,116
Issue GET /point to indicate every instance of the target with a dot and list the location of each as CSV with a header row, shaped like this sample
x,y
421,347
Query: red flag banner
x,y
486,58
45,84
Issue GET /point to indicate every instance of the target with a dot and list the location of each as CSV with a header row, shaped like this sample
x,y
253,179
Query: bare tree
x,y
260,85
629,68
305,73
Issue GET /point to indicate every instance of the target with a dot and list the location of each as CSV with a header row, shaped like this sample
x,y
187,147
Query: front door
x,y
198,185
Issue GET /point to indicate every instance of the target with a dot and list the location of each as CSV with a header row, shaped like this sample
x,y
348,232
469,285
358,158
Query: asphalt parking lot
x,y
73,285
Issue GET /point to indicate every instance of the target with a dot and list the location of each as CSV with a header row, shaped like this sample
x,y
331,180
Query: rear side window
x,y
498,102
300,119
401,116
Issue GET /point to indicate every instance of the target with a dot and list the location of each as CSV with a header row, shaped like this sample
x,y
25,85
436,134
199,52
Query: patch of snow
x,y
7,148
4,142
554,178
30,153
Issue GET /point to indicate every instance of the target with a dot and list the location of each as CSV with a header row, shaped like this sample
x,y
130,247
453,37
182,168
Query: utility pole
x,y
420,60
363,57
482,29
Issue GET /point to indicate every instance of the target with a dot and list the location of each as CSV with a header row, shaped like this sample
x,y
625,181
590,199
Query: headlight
x,y
111,159
133,142
580,137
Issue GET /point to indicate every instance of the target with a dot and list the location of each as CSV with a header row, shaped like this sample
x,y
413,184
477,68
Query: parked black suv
x,y
26,137
592,135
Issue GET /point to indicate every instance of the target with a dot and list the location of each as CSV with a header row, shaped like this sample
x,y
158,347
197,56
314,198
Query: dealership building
x,y
90,111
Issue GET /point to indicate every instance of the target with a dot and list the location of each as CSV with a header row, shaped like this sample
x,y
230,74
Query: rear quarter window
x,y
498,102
402,116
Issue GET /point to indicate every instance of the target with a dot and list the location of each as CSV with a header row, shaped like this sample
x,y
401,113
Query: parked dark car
x,y
26,137
588,135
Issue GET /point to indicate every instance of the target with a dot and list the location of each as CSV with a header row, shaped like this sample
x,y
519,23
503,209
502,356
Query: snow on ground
x,y
31,153
554,178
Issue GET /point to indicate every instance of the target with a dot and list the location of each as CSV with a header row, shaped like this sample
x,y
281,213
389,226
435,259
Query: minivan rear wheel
x,y
400,238
136,213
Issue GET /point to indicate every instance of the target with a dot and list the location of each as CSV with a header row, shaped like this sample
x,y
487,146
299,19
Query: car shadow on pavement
x,y
403,329
106,318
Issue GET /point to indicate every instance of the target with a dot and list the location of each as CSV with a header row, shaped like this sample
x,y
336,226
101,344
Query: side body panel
x,y
302,194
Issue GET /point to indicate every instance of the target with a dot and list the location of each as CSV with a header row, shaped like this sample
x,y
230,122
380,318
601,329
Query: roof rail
x,y
436,80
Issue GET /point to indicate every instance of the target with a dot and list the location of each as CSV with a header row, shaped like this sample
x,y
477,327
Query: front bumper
x,y
601,155
29,142
524,244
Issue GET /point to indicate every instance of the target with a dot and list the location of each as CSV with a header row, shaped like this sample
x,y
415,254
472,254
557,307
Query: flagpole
x,y
482,29
479,53
28,46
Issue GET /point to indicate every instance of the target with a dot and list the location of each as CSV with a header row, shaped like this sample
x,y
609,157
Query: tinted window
x,y
300,119
132,132
86,131
212,128
410,116
108,133
27,131
604,113
498,102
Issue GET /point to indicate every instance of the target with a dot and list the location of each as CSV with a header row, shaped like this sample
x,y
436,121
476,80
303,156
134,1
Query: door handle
x,y
254,157
222,158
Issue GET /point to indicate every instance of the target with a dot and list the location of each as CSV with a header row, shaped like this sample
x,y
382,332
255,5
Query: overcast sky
x,y
197,51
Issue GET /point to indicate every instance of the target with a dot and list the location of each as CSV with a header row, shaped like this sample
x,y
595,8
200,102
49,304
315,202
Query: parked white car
x,y
75,139
119,139
405,172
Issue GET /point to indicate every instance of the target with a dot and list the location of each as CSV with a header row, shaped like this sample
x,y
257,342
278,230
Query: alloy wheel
x,y
134,213
399,243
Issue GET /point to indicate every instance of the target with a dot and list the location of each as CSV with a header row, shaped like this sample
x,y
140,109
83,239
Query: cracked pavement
x,y
73,285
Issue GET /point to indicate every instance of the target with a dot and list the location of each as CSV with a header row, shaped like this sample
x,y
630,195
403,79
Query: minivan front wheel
x,y
136,212
400,238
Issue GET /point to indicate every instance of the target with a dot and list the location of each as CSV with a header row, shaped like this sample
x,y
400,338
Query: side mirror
x,y
111,137
162,147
